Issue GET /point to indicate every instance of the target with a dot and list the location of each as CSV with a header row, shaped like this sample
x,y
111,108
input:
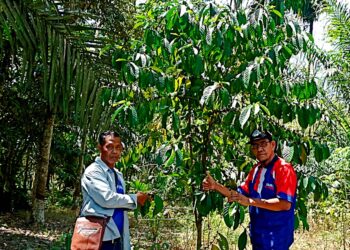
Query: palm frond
x,y
339,27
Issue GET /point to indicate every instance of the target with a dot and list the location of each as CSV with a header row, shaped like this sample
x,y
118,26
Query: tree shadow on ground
x,y
16,232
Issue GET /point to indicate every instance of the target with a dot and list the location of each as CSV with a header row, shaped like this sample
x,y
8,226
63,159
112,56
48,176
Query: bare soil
x,y
16,232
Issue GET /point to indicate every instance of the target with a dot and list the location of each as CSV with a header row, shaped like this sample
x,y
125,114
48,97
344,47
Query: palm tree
x,y
338,31
57,45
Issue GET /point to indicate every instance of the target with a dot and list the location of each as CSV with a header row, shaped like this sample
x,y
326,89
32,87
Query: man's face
x,y
111,150
263,149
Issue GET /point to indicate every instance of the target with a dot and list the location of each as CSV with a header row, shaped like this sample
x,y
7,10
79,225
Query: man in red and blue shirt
x,y
270,193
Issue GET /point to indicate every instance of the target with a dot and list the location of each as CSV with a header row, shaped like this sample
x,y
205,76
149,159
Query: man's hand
x,y
209,183
240,198
141,198
273,204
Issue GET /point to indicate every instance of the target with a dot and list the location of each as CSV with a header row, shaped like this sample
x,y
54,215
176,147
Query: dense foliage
x,y
203,78
184,83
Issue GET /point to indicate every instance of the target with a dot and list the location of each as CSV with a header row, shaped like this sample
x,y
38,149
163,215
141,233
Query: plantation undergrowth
x,y
326,232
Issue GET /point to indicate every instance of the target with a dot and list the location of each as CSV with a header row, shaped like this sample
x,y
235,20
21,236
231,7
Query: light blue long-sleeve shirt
x,y
100,198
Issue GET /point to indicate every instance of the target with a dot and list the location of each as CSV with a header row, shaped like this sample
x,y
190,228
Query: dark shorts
x,y
112,245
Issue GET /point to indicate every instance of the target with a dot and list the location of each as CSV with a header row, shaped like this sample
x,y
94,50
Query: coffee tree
x,y
201,79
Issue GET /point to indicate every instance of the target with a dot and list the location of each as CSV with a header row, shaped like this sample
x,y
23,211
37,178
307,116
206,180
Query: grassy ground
x,y
325,233
175,232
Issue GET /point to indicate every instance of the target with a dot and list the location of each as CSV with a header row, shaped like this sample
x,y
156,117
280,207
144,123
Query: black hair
x,y
103,135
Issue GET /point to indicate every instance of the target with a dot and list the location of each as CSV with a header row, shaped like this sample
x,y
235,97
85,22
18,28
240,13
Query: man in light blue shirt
x,y
103,189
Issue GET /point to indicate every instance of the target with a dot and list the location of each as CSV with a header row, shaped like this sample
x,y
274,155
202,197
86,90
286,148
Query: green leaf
x,y
256,108
121,60
225,96
156,69
303,117
179,157
215,247
325,152
241,17
297,153
277,12
296,221
203,204
145,208
305,223
228,219
242,240
317,192
116,113
143,60
149,37
223,242
245,114
228,118
312,117
290,29
265,109
176,122
237,216
303,154
318,153
209,36
134,116
287,152
171,159
302,209
198,65
158,205
155,246
207,93
134,70
241,214
171,17
312,89
297,91
287,52
324,189
305,181
246,76
138,24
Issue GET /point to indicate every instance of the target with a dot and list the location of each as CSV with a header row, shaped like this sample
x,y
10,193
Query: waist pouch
x,y
88,233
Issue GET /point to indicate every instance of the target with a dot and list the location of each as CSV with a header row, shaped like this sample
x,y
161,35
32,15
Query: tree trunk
x,y
7,180
204,159
311,29
26,170
199,222
77,187
6,61
39,187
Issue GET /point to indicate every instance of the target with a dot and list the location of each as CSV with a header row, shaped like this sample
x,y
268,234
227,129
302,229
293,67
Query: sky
x,y
320,33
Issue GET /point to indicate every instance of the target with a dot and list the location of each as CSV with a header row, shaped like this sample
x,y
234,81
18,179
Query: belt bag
x,y
88,233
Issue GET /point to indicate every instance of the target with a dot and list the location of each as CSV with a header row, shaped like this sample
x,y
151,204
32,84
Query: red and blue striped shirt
x,y
272,230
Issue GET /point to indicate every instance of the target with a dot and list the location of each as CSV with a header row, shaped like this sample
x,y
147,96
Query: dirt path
x,y
16,233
